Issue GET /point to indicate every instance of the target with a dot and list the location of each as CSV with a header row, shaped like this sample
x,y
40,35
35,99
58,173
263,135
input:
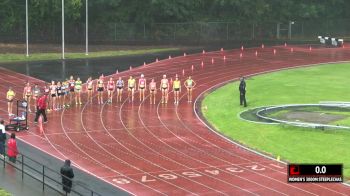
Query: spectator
x,y
41,108
2,138
12,150
242,91
67,176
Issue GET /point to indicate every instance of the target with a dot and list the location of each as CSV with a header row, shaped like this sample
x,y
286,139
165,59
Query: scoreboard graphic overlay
x,y
315,173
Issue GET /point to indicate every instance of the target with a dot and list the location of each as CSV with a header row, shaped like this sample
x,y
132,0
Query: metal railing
x,y
49,178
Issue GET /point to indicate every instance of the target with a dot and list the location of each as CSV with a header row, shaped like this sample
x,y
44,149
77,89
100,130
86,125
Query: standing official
x,y
41,110
242,91
2,138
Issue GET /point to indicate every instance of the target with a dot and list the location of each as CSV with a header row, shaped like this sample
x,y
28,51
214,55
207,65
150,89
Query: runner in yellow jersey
x,y
78,87
131,88
10,96
176,89
189,84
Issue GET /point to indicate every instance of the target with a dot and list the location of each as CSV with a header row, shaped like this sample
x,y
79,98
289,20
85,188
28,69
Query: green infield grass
x,y
4,193
296,86
10,57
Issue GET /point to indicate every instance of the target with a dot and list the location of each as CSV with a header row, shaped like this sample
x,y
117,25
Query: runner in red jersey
x,y
142,87
27,94
110,90
152,91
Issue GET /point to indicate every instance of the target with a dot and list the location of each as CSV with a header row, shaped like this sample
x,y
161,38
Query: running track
x,y
167,150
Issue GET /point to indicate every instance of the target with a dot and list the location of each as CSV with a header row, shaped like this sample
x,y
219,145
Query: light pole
x,y
86,28
290,29
27,47
62,29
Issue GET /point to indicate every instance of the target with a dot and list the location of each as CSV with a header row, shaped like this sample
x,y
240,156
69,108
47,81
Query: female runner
x,y
110,89
36,94
152,91
77,90
189,84
53,92
90,88
131,88
71,83
176,89
60,95
10,96
100,89
120,86
65,90
27,94
142,87
164,87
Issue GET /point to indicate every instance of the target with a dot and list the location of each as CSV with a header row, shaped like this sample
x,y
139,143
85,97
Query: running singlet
x,y
131,83
89,85
36,91
164,83
28,90
10,94
120,84
65,87
189,83
59,90
152,85
53,89
78,84
47,90
100,83
110,85
142,83
176,84
71,84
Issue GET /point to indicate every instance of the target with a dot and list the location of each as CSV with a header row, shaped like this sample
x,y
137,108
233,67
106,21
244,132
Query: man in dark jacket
x,y
242,91
41,108
67,176
2,137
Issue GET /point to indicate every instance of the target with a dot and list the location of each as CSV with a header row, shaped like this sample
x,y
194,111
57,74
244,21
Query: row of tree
x,y
46,13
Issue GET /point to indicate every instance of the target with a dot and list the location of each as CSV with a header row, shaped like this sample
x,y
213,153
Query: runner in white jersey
x,y
189,84
164,88
53,93
120,86
152,91
90,89
142,87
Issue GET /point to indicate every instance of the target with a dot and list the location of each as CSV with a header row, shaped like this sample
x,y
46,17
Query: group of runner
x,y
64,94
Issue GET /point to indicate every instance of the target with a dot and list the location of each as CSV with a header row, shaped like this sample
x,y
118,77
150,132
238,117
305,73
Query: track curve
x,y
166,149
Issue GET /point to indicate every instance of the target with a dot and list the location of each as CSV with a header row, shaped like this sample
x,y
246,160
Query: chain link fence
x,y
197,32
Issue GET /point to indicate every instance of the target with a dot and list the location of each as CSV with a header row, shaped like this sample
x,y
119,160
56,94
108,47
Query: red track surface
x,y
162,149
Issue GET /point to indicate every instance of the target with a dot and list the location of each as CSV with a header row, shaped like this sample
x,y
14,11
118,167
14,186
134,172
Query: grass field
x,y
11,57
4,193
302,85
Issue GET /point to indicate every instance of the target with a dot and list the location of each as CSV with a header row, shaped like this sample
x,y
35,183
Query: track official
x,y
242,91
41,108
